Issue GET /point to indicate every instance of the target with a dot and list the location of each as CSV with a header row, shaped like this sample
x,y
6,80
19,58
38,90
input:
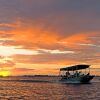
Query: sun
x,y
4,73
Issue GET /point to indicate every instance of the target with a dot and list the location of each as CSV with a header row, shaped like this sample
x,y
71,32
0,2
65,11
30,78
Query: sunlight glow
x,y
56,51
10,50
4,73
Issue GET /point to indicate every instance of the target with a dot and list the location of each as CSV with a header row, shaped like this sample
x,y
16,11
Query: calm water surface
x,y
39,89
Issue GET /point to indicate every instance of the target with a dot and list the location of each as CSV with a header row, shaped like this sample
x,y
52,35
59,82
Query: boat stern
x,y
87,79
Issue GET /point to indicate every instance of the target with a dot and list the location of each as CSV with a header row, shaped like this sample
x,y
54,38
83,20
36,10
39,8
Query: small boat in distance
x,y
75,74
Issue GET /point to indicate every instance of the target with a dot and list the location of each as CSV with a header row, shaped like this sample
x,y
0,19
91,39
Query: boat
x,y
76,74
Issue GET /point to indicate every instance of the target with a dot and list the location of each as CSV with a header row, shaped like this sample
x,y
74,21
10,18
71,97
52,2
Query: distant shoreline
x,y
37,76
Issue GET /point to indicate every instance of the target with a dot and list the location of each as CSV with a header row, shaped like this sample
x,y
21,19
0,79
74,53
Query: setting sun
x,y
4,73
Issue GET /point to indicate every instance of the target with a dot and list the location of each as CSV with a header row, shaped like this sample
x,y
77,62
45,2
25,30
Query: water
x,y
43,88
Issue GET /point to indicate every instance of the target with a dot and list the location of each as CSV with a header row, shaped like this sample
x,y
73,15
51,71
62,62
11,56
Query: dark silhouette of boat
x,y
74,74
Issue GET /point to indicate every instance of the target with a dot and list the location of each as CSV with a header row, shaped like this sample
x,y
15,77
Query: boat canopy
x,y
75,67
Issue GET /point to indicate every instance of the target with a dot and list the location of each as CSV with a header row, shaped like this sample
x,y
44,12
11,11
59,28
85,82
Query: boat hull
x,y
84,79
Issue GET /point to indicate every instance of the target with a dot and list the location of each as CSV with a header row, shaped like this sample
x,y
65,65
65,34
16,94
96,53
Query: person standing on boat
x,y
76,73
67,74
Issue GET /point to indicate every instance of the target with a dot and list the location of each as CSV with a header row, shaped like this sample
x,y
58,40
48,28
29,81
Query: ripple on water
x,y
16,90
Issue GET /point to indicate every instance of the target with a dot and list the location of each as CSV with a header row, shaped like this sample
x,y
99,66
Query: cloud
x,y
7,64
21,71
9,51
46,58
55,51
29,34
57,31
70,16
52,47
48,43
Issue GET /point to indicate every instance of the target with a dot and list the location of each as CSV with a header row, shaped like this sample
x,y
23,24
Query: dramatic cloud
x,y
49,32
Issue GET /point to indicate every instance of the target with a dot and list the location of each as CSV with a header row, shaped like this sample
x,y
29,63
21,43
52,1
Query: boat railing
x,y
76,74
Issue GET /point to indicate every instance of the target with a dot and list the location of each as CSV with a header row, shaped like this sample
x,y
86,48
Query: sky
x,y
41,36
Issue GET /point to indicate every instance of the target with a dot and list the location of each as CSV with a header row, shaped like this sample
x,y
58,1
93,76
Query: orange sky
x,y
41,37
